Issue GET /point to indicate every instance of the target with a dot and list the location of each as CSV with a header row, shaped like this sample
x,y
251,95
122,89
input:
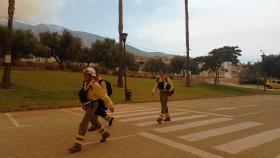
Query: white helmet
x,y
90,70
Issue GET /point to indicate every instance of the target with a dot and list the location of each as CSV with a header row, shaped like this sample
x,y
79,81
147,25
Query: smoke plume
x,y
38,10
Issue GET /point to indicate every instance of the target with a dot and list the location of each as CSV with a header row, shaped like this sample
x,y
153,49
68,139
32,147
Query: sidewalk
x,y
244,85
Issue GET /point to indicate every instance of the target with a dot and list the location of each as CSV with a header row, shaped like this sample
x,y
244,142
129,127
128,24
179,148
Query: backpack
x,y
168,86
108,87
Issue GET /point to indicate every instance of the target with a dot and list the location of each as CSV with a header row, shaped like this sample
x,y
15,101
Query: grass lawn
x,y
56,88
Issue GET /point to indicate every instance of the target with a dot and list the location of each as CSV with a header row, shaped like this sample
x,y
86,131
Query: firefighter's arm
x,y
154,89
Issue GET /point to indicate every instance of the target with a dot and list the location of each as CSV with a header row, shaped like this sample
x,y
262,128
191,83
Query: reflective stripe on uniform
x,y
86,103
102,131
80,137
107,117
79,142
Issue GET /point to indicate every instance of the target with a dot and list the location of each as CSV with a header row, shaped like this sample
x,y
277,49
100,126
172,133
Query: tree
x,y
132,64
52,41
6,79
250,74
3,31
63,47
42,51
217,57
271,65
178,64
84,56
105,52
120,28
24,44
69,47
188,79
154,65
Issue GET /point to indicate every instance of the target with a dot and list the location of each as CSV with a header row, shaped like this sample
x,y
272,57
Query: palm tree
x,y
120,74
6,79
188,80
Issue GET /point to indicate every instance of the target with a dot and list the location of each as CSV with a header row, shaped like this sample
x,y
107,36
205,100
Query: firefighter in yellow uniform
x,y
166,88
101,110
93,93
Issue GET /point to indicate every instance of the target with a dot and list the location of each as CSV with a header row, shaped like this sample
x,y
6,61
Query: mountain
x,y
87,38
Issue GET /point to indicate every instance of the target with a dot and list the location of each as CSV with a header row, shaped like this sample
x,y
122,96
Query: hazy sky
x,y
159,24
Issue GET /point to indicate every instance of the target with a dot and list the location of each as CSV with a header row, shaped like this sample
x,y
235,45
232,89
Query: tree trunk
x,y
61,64
188,81
216,77
120,74
6,79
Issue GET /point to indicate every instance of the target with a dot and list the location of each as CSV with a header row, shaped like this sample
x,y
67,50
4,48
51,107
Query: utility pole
x,y
263,68
188,78
6,79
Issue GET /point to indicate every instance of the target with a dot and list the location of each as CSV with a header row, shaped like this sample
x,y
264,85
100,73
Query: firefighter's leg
x,y
161,116
102,131
90,110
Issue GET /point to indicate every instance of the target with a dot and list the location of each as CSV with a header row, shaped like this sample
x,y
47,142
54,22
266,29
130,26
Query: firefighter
x,y
101,110
166,88
93,92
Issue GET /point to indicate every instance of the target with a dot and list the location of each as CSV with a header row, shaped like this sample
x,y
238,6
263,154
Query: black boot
x,y
75,148
159,120
167,119
104,137
111,121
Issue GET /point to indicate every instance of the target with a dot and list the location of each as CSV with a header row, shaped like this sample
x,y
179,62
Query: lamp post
x,y
6,79
263,67
124,37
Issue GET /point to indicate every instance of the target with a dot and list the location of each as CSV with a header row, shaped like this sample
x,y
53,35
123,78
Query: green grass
x,y
55,88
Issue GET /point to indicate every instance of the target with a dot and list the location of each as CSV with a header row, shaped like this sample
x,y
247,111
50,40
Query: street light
x,y
263,67
124,37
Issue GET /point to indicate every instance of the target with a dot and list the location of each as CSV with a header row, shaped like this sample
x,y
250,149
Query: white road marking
x,y
191,125
246,143
13,120
183,147
111,139
219,131
134,111
150,117
17,127
126,106
259,112
73,113
232,108
206,113
148,123
137,114
130,108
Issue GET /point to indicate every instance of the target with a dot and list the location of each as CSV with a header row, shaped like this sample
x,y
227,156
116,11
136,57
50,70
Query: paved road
x,y
243,127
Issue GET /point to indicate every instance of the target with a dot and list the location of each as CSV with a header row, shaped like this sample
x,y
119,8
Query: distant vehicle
x,y
273,84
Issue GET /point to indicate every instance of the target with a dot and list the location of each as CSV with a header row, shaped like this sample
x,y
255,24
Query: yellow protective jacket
x,y
165,80
95,92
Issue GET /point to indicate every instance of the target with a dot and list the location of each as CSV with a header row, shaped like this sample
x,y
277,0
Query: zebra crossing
x,y
182,121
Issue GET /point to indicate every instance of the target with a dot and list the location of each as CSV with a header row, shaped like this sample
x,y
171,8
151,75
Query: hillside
x,y
87,38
